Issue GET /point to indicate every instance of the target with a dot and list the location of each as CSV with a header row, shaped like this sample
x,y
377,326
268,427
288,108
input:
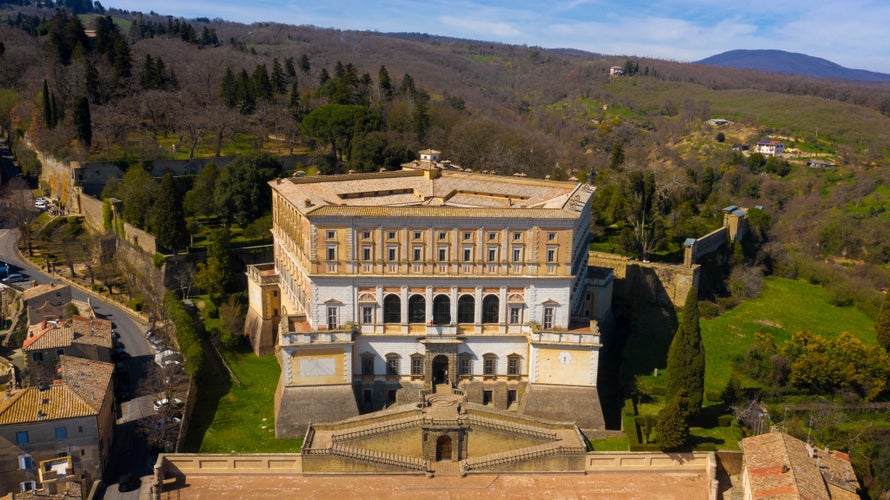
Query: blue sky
x,y
852,33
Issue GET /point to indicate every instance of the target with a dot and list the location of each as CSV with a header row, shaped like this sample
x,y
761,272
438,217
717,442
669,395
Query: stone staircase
x,y
511,428
521,455
376,429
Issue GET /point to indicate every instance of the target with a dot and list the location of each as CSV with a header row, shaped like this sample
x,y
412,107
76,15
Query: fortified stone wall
x,y
708,243
657,282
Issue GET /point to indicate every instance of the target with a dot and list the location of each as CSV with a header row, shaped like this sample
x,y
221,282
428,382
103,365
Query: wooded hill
x,y
150,86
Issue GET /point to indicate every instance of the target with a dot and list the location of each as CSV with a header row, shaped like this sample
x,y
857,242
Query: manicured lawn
x,y
610,444
244,420
783,307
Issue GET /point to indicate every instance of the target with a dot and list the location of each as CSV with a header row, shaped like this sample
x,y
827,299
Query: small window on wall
x,y
333,317
463,365
551,255
548,317
392,253
366,253
417,364
489,365
391,235
25,462
418,235
515,315
331,234
443,254
517,235
514,367
367,364
61,433
442,235
366,235
332,253
367,314
492,236
392,364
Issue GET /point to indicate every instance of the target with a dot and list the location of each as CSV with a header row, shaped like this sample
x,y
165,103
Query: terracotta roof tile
x,y
31,405
37,291
87,378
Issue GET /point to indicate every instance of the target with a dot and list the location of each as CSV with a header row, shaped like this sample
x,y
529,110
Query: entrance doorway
x,y
443,448
440,370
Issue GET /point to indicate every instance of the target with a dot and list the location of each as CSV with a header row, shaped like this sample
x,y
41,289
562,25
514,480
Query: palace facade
x,y
388,286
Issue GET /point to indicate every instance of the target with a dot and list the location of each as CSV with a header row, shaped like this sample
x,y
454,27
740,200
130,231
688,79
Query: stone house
x,y
48,301
88,338
60,430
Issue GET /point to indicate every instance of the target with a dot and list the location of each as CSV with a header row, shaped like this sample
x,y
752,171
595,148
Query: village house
x,y
48,301
769,147
81,337
780,466
57,431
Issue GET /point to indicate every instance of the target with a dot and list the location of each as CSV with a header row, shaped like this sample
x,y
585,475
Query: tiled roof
x,y
36,291
450,212
32,405
780,466
77,330
87,378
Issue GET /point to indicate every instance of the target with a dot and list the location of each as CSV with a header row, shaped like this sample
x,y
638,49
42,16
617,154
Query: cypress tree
x,y
169,218
47,107
686,359
882,323
672,426
83,125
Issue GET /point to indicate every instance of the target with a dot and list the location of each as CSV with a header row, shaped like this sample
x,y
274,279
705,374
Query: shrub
x,y
713,397
725,420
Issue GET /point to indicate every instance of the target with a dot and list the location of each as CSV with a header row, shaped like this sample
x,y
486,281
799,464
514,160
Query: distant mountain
x,y
779,61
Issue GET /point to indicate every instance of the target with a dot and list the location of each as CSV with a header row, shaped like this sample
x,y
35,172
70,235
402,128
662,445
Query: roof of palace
x,y
433,189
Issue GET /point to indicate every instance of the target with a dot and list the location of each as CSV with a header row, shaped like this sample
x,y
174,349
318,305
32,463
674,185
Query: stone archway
x,y
443,449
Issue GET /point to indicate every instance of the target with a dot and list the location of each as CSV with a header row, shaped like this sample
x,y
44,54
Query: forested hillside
x,y
144,86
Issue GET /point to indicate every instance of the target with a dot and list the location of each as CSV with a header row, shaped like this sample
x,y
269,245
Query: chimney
x,y
51,487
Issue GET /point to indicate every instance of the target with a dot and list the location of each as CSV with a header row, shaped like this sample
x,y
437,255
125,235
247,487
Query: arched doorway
x,y
440,370
443,448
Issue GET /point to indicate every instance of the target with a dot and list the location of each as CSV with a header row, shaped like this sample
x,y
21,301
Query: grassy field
x,y
242,419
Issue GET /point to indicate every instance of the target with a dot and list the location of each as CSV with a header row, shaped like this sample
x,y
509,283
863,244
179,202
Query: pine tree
x,y
83,125
278,82
882,323
91,81
304,63
169,219
289,67
384,82
686,359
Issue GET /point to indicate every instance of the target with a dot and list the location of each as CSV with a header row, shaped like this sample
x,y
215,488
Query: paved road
x,y
130,452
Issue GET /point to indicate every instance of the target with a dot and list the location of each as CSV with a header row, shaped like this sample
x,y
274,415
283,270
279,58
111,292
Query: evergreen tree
x,y
261,84
199,200
278,82
407,87
169,219
882,323
384,82
421,115
91,81
323,77
686,359
671,425
47,107
289,67
229,88
304,63
83,126
293,102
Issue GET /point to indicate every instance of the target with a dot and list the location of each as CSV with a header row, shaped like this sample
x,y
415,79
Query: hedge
x,y
186,336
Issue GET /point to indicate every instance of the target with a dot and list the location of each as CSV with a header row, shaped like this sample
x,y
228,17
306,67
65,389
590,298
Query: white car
x,y
168,357
177,403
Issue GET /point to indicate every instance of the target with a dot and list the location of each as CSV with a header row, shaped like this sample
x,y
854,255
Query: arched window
x,y
490,306
441,310
466,309
392,309
416,309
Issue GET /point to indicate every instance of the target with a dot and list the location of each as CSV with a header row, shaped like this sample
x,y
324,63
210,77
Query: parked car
x,y
167,358
15,278
161,403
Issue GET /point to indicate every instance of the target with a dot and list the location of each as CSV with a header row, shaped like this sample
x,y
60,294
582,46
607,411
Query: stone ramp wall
x,y
564,404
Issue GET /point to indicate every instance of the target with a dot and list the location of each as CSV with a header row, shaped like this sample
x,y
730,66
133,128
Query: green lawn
x,y
242,419
783,307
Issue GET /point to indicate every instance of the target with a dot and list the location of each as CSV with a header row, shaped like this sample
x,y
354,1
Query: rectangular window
x,y
513,365
486,397
417,365
392,365
332,235
333,320
468,236
60,352
37,356
463,365
366,253
367,314
511,397
418,235
442,235
515,315
28,486
492,254
25,462
468,254
443,254
391,235
366,235
548,317
551,236
517,254
368,365
517,236
418,254
551,255
61,433
489,363
332,253
392,253
21,438
492,236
